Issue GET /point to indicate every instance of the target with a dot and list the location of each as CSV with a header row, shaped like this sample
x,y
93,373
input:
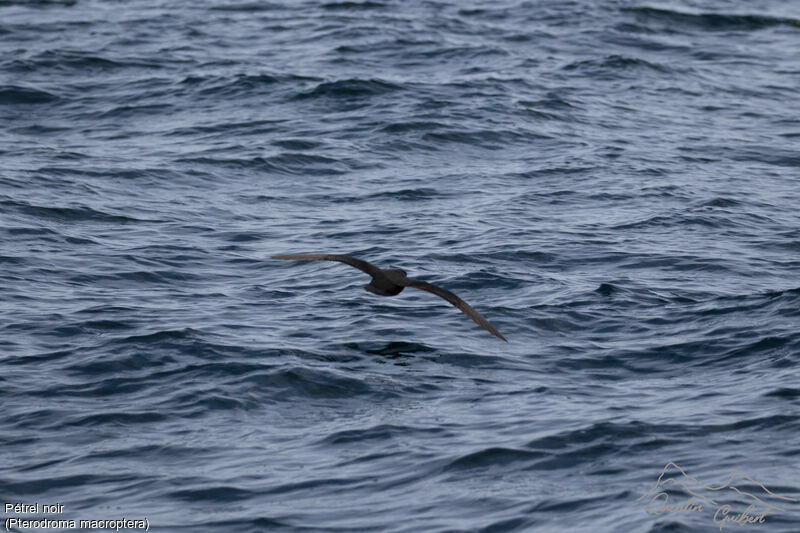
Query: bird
x,y
392,281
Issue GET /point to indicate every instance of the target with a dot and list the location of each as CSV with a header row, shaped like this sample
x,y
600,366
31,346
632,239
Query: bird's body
x,y
392,281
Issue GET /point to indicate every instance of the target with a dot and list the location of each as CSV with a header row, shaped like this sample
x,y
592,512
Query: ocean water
x,y
613,184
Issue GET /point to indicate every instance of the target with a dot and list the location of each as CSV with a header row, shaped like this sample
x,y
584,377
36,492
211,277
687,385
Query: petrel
x,y
392,281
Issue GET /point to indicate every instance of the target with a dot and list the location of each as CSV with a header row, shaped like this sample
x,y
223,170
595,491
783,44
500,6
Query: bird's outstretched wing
x,y
456,301
369,268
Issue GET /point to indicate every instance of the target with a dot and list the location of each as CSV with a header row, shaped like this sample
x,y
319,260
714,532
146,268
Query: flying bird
x,y
392,281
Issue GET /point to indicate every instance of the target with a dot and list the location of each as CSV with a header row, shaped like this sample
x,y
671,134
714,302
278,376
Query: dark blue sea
x,y
613,184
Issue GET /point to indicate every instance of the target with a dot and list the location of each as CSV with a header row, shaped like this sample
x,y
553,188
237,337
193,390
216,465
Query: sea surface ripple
x,y
613,184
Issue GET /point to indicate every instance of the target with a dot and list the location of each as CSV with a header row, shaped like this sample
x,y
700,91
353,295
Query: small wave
x,y
397,348
721,201
152,451
292,382
298,144
75,62
495,457
350,89
223,86
410,195
769,155
35,486
710,21
300,163
350,6
247,7
132,277
616,65
14,95
285,163
778,302
128,111
711,220
219,494
772,346
381,432
67,214
606,289
412,126
488,139
119,418
38,3
460,53
787,393
403,195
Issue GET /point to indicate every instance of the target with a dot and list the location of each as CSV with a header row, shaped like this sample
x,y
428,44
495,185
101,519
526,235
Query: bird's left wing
x,y
456,301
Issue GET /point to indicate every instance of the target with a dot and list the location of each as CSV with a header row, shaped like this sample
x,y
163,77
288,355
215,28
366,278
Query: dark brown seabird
x,y
392,281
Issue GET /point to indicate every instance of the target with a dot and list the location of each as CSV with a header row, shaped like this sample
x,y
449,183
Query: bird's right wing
x,y
362,265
